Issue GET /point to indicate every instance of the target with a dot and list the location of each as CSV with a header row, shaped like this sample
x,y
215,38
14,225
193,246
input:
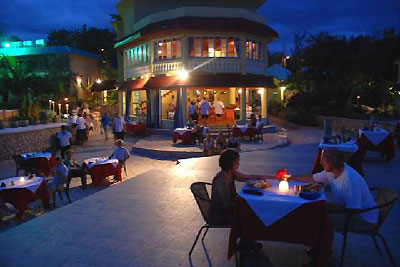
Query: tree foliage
x,y
330,71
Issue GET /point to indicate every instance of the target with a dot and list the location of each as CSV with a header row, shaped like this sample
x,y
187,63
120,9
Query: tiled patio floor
x,y
152,220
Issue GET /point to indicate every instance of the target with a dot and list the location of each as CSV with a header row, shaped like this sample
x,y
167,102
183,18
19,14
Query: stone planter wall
x,y
26,139
351,124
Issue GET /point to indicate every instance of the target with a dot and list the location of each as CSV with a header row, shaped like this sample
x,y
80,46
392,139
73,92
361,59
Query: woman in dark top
x,y
223,187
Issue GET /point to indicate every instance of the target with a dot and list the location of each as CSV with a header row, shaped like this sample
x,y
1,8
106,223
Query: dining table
x,y
41,161
282,216
135,127
353,155
22,190
100,168
377,139
183,134
244,130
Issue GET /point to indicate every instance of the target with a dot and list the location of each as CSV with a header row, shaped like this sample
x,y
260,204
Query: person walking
x,y
118,125
80,130
64,138
205,108
105,124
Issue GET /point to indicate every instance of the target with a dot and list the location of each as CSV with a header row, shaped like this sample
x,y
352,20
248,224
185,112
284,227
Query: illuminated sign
x,y
36,43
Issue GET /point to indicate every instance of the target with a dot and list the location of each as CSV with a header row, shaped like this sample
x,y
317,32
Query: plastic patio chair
x,y
200,193
385,199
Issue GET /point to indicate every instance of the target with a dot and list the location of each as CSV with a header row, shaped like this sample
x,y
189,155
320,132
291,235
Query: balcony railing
x,y
164,67
131,71
215,65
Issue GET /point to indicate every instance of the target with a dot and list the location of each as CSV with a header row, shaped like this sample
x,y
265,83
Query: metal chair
x,y
62,187
22,164
200,193
385,199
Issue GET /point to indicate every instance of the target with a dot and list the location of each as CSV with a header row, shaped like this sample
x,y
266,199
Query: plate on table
x,y
310,191
258,184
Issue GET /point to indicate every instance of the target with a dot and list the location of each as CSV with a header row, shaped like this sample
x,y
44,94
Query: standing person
x,y
64,137
205,109
193,115
105,124
118,125
219,108
89,126
253,120
80,130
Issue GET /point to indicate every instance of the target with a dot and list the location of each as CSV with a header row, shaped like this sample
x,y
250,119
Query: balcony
x,y
256,67
136,71
165,67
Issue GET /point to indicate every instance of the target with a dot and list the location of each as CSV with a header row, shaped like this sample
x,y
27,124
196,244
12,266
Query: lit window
x,y
167,49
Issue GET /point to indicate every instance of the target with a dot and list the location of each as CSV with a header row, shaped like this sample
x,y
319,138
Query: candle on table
x,y
22,180
283,186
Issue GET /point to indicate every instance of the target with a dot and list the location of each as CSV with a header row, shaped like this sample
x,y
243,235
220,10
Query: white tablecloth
x,y
182,131
243,128
30,184
273,205
36,155
90,163
375,137
350,146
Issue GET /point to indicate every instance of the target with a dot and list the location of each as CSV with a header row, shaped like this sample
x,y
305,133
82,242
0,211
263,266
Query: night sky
x,y
30,19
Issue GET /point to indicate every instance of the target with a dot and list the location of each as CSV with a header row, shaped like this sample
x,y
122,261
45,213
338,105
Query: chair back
x,y
200,193
19,161
385,199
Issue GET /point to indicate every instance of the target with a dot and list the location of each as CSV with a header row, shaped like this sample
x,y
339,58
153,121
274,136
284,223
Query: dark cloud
x,y
32,19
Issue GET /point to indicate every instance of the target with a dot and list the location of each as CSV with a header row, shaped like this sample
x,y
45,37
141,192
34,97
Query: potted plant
x,y
44,117
14,122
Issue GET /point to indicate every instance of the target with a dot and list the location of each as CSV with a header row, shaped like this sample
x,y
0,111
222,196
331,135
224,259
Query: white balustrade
x,y
163,67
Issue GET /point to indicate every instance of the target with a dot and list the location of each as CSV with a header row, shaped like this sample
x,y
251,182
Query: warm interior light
x,y
98,81
197,92
260,91
240,91
283,186
205,92
183,74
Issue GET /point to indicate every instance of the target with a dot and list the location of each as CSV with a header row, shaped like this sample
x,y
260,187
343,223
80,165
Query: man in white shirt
x,y
118,124
204,108
64,136
80,130
219,108
120,153
348,191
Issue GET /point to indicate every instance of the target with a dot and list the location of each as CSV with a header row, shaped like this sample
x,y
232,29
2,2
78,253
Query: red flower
x,y
280,173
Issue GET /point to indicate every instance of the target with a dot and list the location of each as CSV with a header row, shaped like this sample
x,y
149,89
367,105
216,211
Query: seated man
x,y
121,154
220,143
60,174
233,142
208,146
197,133
347,191
74,169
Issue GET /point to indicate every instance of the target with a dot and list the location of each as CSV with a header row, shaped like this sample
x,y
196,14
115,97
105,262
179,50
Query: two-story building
x,y
39,57
176,52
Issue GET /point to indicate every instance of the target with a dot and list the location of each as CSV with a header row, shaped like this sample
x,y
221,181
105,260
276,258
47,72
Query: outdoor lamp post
x,y
59,109
50,104
66,108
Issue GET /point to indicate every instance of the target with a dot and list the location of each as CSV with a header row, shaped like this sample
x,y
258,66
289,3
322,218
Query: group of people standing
x,y
203,108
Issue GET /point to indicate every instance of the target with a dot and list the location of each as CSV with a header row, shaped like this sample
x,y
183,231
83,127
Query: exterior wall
x,y
6,114
27,139
132,11
86,68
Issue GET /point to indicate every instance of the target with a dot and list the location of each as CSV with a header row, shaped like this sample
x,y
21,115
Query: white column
x,y
243,105
184,104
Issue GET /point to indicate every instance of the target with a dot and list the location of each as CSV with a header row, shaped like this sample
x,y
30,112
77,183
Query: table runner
x,y
375,137
279,204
